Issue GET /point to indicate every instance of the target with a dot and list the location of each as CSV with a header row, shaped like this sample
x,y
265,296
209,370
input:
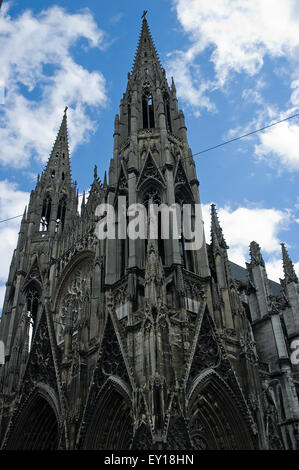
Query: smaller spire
x,y
58,166
83,198
173,87
105,180
256,254
288,267
95,172
216,230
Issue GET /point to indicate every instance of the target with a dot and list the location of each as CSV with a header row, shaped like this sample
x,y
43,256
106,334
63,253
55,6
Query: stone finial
x,y
105,180
288,267
256,255
216,230
173,87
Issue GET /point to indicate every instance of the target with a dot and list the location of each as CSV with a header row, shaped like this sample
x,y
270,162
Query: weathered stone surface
x,y
122,344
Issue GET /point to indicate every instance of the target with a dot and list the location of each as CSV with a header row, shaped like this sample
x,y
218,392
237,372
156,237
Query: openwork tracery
x,y
75,299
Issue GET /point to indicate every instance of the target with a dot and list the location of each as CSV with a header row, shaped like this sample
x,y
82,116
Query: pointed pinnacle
x,y
173,87
105,180
216,230
256,254
58,165
288,267
83,200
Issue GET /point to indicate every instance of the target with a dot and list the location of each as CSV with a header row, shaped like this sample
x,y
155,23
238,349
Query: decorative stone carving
x,y
74,301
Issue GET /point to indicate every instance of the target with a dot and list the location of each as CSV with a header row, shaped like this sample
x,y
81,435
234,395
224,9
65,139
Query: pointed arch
x,y
182,186
46,213
215,420
148,116
150,175
38,426
122,184
111,426
61,210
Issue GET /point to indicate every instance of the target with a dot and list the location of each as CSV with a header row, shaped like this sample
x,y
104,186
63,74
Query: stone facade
x,y
133,344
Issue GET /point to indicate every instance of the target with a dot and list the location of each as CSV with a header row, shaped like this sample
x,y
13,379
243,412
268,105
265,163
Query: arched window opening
x,y
63,155
148,111
46,213
167,113
60,213
53,174
32,301
62,176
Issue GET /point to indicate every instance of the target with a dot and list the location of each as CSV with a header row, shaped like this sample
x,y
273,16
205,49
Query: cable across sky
x,y
207,149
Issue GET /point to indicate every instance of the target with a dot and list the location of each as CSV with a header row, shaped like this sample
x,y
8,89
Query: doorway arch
x,y
215,418
111,425
37,426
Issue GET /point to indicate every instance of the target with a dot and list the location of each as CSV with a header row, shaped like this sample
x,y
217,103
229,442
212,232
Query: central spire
x,y
146,56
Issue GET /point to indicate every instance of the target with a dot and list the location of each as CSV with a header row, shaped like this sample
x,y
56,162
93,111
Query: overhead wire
x,y
248,134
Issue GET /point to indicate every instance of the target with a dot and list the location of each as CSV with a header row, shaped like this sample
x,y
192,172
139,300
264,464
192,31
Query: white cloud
x,y
279,146
36,54
191,88
238,35
274,268
246,224
12,203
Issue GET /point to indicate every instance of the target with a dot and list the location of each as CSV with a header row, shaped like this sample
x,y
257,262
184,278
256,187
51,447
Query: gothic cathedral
x,y
142,344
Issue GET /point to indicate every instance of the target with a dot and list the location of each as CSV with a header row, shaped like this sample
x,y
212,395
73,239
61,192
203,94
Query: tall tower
x,y
134,343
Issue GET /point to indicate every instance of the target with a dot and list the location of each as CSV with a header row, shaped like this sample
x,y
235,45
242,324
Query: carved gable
x,y
150,171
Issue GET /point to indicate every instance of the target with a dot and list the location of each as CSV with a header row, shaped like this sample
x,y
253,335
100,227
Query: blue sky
x,y
235,65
